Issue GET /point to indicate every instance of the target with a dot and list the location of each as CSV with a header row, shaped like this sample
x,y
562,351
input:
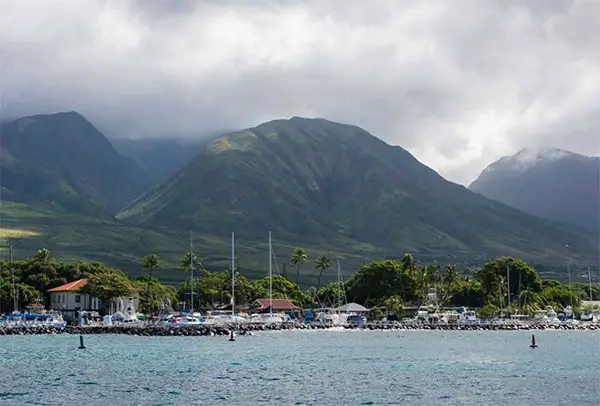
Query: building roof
x,y
351,307
70,287
278,304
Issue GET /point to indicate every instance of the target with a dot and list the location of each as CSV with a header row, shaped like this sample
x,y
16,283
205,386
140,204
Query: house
x,y
279,305
69,300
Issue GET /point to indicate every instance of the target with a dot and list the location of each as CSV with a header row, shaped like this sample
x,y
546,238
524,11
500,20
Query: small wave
x,y
8,395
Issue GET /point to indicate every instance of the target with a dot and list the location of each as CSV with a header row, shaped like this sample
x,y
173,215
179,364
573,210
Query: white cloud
x,y
458,83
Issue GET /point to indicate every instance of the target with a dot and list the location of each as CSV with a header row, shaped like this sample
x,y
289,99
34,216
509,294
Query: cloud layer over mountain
x,y
458,83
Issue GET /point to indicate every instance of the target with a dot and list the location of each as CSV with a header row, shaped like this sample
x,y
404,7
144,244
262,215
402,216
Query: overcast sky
x,y
457,83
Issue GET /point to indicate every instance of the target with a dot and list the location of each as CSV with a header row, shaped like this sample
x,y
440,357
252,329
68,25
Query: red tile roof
x,y
70,287
278,304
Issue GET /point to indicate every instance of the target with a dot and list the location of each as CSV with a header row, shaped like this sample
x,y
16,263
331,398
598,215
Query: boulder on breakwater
x,y
243,329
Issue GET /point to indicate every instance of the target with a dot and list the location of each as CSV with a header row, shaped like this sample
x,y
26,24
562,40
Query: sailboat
x,y
588,315
337,317
270,318
233,318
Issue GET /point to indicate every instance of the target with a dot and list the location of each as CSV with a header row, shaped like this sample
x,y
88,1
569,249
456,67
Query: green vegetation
x,y
61,162
78,238
385,284
315,183
333,189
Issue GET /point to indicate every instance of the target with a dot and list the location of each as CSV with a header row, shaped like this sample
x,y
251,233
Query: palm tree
x,y
394,304
149,263
299,257
407,263
449,277
187,261
321,265
42,256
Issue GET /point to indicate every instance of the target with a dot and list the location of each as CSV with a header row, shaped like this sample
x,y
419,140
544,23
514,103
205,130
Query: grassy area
x,y
6,233
121,246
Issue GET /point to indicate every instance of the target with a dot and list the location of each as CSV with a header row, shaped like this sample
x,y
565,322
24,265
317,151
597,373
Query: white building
x,y
68,299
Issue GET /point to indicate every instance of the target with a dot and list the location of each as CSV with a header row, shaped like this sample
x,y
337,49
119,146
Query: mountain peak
x,y
546,182
76,155
530,157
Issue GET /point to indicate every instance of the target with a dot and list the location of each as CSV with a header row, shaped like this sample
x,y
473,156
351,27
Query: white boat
x,y
552,316
467,316
540,316
587,316
427,314
185,320
269,318
428,311
336,317
450,317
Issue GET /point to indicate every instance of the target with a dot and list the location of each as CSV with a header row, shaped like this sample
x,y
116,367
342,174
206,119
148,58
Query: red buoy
x,y
533,344
231,337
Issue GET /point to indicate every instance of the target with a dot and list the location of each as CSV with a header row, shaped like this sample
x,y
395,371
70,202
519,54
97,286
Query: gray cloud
x,y
458,83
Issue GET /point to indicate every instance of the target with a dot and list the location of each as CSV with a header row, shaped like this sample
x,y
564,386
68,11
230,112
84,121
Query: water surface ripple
x,y
304,368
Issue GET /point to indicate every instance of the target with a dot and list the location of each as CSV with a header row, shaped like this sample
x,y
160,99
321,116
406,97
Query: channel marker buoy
x,y
81,346
533,344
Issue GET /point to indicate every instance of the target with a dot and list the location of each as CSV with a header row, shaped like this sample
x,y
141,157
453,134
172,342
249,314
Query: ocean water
x,y
304,368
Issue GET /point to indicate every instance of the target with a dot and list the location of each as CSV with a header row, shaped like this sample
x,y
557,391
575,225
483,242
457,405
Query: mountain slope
x,y
160,158
61,160
549,183
314,181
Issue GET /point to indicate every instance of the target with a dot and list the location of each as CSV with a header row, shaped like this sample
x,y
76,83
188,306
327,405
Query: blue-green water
x,y
304,368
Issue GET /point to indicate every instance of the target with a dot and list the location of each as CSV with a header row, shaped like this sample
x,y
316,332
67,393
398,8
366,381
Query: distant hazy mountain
x,y
313,181
62,161
159,157
547,182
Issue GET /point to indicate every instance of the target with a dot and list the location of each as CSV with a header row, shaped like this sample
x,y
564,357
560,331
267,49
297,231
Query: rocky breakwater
x,y
249,328
150,330
479,326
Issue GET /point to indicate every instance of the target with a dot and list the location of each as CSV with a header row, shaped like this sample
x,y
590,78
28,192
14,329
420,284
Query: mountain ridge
x,y
329,181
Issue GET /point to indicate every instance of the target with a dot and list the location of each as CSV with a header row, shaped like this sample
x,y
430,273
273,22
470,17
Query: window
x,y
77,298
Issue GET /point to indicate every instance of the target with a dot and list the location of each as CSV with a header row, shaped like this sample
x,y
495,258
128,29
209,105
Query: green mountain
x,y
160,158
546,182
60,161
314,182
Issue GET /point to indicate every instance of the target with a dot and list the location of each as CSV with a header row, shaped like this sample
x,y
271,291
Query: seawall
x,y
243,329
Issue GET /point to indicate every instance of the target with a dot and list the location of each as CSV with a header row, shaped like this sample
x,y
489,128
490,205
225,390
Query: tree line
x,y
504,283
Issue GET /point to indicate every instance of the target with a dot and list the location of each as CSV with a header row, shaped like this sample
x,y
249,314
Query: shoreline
x,y
244,329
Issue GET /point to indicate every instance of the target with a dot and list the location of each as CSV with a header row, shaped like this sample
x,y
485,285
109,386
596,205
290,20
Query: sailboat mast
x,y
569,273
232,273
508,285
12,275
191,274
520,303
339,280
590,282
270,275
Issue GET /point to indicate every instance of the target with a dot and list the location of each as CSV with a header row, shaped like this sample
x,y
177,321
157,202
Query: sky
x,y
457,83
